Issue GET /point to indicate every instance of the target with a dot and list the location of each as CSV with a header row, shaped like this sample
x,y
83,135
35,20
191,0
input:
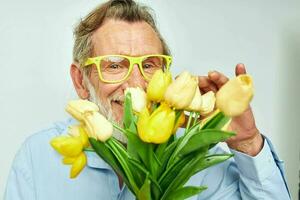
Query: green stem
x,y
88,149
197,115
189,122
118,127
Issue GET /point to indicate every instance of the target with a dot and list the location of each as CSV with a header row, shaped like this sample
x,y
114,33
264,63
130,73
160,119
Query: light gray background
x,y
35,54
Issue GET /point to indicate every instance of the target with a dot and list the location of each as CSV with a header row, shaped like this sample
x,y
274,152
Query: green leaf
x,y
120,153
172,172
202,138
216,122
185,192
134,143
196,139
164,158
184,174
144,150
145,192
129,118
140,167
160,149
212,160
104,152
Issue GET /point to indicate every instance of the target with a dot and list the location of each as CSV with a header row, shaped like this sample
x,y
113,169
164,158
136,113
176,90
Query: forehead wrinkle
x,y
127,42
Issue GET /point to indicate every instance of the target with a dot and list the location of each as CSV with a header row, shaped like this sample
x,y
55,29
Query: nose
x,y
136,78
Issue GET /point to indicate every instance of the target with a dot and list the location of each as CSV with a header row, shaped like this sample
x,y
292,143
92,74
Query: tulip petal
x,y
69,160
196,103
78,165
208,103
67,146
139,98
98,126
78,107
142,124
157,85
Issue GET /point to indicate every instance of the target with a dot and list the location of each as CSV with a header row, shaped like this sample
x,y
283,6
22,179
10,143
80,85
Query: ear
x,y
77,78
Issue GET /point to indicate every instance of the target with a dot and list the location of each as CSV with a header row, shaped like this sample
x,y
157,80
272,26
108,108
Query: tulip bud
x,y
138,97
158,84
208,103
234,97
78,107
98,126
157,127
196,103
180,93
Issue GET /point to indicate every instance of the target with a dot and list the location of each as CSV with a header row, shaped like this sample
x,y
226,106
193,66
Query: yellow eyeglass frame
x,y
132,61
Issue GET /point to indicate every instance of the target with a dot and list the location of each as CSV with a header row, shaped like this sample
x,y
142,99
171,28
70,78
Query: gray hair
x,y
126,10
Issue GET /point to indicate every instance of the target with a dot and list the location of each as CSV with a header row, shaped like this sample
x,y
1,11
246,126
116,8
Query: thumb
x,y
240,69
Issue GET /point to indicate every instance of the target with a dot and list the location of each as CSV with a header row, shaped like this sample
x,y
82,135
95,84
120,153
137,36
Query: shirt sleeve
x,y
261,176
20,185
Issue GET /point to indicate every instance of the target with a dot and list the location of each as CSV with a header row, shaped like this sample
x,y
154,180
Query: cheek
x,y
105,90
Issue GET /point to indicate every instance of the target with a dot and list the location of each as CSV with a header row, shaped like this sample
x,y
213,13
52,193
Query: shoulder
x,y
53,130
37,146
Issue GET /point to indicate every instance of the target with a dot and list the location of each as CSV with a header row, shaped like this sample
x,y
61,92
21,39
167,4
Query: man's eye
x,y
148,66
114,66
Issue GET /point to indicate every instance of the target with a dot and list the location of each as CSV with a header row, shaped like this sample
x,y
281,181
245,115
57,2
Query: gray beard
x,y
104,108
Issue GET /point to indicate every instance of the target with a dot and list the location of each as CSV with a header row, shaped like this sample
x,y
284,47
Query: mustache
x,y
117,97
106,107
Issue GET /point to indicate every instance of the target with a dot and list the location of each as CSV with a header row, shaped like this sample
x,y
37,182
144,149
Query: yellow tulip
x,y
180,92
72,150
234,97
157,127
157,86
208,103
196,103
77,108
138,97
98,126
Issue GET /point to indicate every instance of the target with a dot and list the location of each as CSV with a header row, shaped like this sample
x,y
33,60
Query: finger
x,y
240,69
218,78
206,85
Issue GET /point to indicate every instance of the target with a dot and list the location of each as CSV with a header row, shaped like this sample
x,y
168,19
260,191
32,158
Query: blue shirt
x,y
37,173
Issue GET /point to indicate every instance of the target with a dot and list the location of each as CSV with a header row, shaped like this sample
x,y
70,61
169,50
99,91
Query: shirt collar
x,y
94,161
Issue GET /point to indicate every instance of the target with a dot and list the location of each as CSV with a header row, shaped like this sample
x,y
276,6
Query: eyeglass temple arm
x,y
88,62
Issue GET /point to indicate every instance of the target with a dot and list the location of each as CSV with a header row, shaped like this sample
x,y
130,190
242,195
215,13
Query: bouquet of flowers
x,y
156,162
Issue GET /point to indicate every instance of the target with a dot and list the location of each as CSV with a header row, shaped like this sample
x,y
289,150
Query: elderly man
x,y
124,28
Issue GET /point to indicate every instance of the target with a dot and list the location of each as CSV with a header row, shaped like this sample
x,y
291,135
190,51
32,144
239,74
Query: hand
x,y
248,139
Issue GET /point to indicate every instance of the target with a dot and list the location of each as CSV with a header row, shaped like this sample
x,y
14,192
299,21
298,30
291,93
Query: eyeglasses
x,y
117,68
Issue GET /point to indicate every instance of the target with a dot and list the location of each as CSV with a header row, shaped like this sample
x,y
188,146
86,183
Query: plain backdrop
x,y
36,51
